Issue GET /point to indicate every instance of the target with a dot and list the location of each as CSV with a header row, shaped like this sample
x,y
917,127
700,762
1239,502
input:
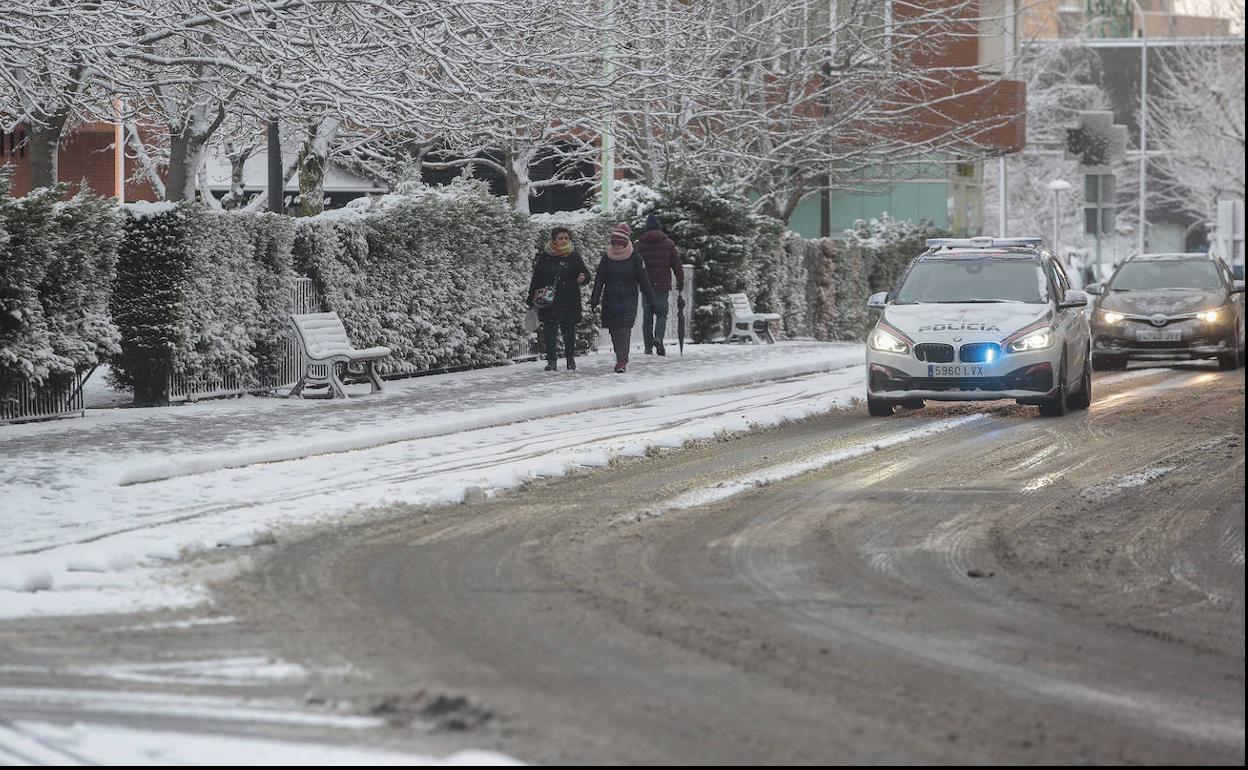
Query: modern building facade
x,y
945,190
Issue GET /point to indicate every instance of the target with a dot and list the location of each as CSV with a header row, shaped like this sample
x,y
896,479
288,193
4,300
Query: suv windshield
x,y
974,280
1166,274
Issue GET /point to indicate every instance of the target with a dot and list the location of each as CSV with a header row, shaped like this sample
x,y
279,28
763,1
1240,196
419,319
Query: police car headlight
x,y
1037,340
888,343
1112,317
1210,316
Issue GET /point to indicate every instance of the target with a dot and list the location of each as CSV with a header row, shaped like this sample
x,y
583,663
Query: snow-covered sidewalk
x,y
90,505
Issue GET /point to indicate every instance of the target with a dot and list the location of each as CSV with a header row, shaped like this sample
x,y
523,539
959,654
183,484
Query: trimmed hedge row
x,y
57,262
200,294
843,274
438,278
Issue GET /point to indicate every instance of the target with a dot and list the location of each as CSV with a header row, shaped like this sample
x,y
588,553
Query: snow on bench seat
x,y
324,341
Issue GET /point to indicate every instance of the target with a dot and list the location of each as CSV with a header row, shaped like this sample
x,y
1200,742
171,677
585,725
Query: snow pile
x,y
25,742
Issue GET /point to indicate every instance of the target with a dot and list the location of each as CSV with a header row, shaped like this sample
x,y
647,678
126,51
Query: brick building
x,y
948,190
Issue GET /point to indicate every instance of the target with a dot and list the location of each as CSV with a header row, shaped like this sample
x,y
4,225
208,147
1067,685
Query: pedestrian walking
x,y
620,276
555,291
662,261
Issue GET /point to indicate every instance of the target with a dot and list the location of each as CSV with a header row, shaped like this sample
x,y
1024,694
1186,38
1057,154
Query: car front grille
x,y
980,353
934,353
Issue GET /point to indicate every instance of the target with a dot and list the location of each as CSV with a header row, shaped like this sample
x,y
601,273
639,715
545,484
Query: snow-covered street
x,y
99,509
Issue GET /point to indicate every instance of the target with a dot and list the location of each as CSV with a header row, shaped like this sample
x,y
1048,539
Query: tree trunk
x,y
311,184
45,143
183,152
516,171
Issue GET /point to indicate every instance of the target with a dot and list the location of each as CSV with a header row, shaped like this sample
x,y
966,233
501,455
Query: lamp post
x,y
1142,236
1058,186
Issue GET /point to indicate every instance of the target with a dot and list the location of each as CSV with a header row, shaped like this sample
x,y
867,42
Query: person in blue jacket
x,y
620,279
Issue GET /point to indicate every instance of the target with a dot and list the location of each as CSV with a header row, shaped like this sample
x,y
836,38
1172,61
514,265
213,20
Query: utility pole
x,y
276,204
608,128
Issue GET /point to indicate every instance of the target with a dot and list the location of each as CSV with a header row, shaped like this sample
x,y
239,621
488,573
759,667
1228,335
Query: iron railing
x,y
304,298
22,401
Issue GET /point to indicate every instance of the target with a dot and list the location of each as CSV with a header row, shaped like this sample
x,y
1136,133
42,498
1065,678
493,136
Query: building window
x,y
997,35
862,29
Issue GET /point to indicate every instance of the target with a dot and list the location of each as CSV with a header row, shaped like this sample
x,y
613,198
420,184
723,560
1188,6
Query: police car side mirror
x,y
1238,288
1074,298
1095,288
878,301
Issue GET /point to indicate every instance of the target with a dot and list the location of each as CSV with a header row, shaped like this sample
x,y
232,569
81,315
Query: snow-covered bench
x,y
744,319
324,341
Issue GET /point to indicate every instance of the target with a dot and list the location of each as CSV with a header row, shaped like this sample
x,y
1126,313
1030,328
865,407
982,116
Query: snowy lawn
x,y
95,511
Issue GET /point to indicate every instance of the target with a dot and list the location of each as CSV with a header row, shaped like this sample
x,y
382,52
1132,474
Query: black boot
x,y
658,348
551,366
571,364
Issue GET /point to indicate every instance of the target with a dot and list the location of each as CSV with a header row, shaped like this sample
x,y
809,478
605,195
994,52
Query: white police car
x,y
979,319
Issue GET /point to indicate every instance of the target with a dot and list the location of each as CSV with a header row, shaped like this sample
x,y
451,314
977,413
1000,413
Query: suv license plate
x,y
1147,336
934,370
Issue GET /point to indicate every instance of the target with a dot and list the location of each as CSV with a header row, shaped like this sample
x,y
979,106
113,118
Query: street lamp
x,y
1058,186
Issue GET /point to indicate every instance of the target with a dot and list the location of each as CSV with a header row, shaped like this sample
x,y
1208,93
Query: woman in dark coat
x,y
621,276
559,265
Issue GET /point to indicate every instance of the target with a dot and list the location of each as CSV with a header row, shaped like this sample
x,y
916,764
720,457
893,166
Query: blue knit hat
x,y
653,223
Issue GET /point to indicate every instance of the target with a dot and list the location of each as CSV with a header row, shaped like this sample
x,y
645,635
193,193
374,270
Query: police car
x,y
980,319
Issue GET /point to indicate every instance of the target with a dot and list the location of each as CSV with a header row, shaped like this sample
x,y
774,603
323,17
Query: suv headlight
x,y
888,343
1110,317
1211,316
1037,340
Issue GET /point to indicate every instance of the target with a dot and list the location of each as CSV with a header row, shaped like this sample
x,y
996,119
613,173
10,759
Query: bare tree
x,y
790,97
1197,126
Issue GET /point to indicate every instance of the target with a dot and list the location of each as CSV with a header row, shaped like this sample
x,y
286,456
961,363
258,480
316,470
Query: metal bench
x,y
744,319
325,346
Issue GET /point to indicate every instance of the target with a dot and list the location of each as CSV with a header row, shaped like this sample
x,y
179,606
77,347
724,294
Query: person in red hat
x,y
620,278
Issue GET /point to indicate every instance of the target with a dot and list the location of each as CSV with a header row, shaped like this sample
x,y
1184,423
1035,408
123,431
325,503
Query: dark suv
x,y
1167,306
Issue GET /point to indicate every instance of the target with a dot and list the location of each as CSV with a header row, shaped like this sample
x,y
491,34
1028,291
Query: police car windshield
x,y
1151,275
974,280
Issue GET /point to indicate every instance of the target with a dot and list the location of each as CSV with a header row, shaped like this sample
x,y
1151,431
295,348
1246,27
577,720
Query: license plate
x,y
1147,336
934,370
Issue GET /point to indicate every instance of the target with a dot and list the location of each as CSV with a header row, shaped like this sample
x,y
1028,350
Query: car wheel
x,y
1104,363
1059,405
1228,362
878,407
1083,399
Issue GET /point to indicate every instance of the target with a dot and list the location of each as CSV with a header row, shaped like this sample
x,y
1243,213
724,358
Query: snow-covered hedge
x,y
732,248
438,276
200,294
57,261
889,245
843,274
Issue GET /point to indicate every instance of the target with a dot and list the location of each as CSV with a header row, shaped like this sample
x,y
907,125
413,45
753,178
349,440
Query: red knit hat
x,y
620,235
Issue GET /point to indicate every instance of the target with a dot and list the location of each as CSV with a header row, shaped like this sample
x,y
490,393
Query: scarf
x,y
619,253
558,251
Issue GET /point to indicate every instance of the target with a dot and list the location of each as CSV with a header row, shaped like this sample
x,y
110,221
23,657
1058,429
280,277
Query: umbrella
x,y
680,321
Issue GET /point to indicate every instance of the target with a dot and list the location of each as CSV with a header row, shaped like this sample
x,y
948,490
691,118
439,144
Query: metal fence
x,y
22,401
304,298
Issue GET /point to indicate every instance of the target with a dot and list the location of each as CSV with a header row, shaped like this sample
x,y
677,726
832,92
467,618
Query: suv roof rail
x,y
1174,255
984,243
